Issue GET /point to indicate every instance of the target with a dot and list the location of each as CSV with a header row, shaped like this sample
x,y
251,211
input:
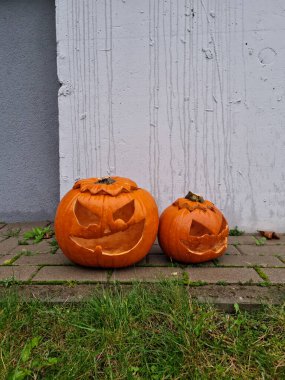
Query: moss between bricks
x,y
12,260
11,233
260,272
280,258
184,280
265,284
187,281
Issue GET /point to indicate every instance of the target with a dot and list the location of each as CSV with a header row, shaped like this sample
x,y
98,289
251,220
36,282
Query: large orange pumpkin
x,y
107,222
193,230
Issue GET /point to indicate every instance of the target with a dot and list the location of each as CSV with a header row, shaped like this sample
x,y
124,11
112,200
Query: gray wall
x,y
29,186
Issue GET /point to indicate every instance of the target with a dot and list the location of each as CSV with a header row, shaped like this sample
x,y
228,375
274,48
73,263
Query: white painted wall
x,y
177,95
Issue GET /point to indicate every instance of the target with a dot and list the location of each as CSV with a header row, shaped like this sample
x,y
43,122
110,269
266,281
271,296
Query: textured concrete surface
x,y
8,245
7,258
29,168
232,250
247,274
265,250
21,228
28,249
44,259
224,275
9,274
179,96
70,273
243,239
275,275
249,260
146,274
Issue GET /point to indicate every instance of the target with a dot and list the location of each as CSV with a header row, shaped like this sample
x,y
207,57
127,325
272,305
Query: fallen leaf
x,y
269,234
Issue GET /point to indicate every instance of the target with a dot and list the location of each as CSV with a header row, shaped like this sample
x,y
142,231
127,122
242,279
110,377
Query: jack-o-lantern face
x,y
193,230
106,223
111,233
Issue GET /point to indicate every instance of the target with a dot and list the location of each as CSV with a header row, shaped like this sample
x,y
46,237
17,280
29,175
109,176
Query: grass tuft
x,y
37,234
142,333
54,246
236,232
260,241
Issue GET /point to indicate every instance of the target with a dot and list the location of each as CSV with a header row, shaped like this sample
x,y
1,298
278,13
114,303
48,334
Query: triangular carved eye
x,y
84,216
197,229
126,212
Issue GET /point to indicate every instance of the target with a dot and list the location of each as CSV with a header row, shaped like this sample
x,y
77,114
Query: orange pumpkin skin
x,y
107,225
193,231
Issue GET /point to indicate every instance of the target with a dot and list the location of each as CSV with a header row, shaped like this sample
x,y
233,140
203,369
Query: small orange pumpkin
x,y
193,230
107,222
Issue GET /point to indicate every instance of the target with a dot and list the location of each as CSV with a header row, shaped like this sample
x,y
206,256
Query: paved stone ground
x,y
248,273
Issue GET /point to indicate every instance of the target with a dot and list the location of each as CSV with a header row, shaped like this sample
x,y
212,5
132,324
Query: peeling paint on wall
x,y
177,95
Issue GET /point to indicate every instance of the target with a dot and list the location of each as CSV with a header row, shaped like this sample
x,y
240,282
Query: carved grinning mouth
x,y
117,243
199,245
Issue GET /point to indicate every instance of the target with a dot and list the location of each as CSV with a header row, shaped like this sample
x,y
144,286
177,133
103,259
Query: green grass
x,y
260,241
141,333
262,275
236,232
12,260
54,246
37,234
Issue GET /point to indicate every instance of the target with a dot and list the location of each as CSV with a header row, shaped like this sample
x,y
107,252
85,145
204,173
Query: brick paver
x,y
24,227
159,260
243,239
229,275
149,274
280,241
251,240
35,262
248,260
7,245
71,273
275,275
5,259
43,259
231,250
262,250
42,247
22,273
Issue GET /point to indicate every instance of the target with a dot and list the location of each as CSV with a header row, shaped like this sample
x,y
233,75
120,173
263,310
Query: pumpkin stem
x,y
106,181
194,197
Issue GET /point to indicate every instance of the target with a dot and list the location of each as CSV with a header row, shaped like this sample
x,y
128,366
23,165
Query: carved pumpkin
x,y
107,222
193,230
